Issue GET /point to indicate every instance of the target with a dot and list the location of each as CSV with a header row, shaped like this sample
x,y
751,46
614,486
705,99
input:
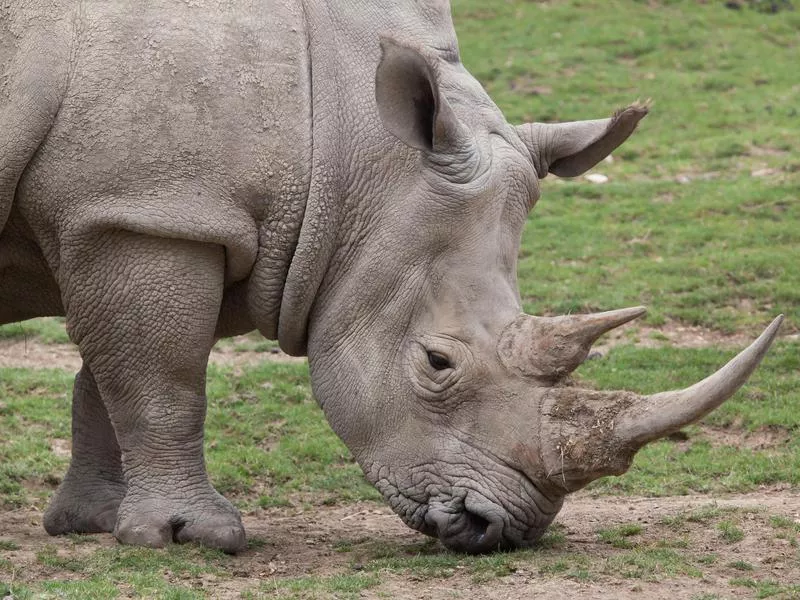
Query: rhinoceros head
x,y
459,407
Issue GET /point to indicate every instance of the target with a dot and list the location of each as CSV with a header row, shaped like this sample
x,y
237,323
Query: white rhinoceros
x,y
329,174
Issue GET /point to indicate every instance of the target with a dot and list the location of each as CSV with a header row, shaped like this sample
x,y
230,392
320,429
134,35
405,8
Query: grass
x,y
725,262
176,572
267,434
730,533
48,330
339,587
653,564
767,588
700,221
618,536
267,441
716,251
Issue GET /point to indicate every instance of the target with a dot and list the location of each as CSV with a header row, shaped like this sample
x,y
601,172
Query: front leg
x,y
143,311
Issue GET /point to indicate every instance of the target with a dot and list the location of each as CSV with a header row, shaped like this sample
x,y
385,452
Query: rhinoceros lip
x,y
459,516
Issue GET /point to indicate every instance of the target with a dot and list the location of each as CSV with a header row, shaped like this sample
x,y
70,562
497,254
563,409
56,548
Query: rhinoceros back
x,y
181,119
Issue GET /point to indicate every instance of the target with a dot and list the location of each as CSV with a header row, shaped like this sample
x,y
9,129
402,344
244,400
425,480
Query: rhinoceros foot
x,y
84,505
208,519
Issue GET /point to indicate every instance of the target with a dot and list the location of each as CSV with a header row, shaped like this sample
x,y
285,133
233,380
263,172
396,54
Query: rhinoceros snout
x,y
466,531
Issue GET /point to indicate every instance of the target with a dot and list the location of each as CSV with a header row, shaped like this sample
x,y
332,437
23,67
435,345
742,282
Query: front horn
x,y
656,416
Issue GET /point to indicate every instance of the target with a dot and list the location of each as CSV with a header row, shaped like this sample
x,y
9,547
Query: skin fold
x,y
329,174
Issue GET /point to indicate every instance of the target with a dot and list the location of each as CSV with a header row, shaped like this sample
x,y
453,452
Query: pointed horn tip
x,y
770,333
751,357
622,315
635,311
666,412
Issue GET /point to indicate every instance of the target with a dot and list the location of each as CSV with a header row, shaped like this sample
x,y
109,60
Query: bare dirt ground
x,y
299,542
30,353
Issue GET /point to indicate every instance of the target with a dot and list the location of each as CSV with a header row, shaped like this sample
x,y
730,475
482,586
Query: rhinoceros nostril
x,y
476,525
465,531
177,525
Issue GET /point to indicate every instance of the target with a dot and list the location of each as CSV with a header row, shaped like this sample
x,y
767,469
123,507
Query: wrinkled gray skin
x,y
329,174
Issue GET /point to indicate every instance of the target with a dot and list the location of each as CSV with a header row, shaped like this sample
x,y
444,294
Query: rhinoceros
x,y
329,174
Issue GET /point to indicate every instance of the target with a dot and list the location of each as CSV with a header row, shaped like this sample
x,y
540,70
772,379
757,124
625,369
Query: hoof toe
x,y
156,523
147,533
229,538
83,509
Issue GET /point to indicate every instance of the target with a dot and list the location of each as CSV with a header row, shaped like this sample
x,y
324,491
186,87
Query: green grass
x,y
174,572
618,536
47,330
335,587
34,408
729,532
267,442
266,434
767,588
741,565
718,256
696,252
252,342
653,564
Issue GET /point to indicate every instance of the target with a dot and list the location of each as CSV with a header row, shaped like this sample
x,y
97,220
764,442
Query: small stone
x,y
763,172
596,178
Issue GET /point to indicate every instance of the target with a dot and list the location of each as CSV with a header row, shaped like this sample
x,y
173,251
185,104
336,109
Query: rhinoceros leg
x,y
143,311
89,497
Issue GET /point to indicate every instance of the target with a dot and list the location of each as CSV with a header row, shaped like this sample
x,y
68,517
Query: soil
x,y
671,334
32,354
298,542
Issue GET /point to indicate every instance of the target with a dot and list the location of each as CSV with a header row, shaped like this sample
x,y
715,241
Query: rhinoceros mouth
x,y
466,531
472,524
465,520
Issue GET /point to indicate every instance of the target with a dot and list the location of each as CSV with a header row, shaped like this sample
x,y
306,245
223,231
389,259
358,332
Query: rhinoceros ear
x,y
410,102
569,149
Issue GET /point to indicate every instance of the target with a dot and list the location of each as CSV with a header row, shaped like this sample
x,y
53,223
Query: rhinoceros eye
x,y
439,361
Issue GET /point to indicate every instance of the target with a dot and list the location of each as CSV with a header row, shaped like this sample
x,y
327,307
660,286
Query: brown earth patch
x,y
760,439
33,354
672,334
324,541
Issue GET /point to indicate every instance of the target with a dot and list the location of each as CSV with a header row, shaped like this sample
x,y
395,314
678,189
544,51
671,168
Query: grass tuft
x,y
729,532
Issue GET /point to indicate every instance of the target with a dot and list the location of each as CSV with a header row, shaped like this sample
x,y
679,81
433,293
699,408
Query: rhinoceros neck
x,y
317,239
351,148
